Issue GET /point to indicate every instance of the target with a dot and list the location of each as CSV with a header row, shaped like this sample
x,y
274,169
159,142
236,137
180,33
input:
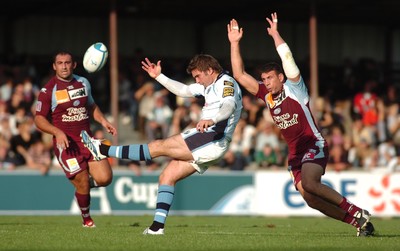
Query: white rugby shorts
x,y
207,148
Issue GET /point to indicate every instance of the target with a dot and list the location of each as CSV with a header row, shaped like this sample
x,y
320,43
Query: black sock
x,y
104,149
156,225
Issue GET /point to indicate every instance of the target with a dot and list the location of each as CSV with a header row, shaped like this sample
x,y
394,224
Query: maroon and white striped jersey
x,y
291,113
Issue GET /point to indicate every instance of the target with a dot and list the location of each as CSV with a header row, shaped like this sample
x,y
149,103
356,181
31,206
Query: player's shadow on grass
x,y
377,235
16,224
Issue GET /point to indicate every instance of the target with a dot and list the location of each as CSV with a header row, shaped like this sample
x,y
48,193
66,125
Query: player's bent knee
x,y
104,181
310,187
165,179
312,201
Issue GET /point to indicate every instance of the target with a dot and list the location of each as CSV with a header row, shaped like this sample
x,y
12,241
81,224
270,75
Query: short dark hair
x,y
272,66
62,53
203,62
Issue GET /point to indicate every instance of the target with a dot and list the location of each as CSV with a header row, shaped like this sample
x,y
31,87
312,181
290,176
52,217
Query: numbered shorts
x,y
207,148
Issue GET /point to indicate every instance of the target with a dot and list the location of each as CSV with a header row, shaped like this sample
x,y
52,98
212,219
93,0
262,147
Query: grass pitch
x,y
188,233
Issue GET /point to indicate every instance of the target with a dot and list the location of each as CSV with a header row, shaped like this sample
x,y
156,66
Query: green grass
x,y
57,233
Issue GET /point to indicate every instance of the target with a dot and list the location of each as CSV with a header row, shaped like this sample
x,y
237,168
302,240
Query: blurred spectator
x,y
124,97
267,151
323,115
323,118
338,159
17,100
243,140
267,157
16,118
233,161
6,89
21,142
343,115
38,157
393,122
365,103
6,161
363,151
145,96
158,120
3,109
394,165
180,119
5,128
363,155
386,152
391,95
380,128
30,93
339,146
252,110
194,114
359,132
337,136
140,80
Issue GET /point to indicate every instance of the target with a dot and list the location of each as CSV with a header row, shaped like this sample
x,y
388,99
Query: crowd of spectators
x,y
357,113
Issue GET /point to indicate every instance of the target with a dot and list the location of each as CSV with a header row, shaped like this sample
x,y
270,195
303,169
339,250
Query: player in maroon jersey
x,y
64,108
288,103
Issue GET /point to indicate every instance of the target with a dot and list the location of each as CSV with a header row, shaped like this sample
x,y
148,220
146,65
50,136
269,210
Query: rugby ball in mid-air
x,y
95,57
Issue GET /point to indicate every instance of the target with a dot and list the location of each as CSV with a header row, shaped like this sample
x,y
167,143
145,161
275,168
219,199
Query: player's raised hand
x,y
152,69
273,22
234,32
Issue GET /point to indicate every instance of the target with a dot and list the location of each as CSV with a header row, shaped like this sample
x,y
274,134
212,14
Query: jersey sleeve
x,y
299,85
197,90
262,91
88,87
43,104
227,90
300,90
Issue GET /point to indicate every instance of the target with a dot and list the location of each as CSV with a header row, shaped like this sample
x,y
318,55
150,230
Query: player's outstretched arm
x,y
154,71
290,68
247,81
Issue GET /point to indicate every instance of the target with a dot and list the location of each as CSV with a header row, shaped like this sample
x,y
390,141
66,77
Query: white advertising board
x,y
377,192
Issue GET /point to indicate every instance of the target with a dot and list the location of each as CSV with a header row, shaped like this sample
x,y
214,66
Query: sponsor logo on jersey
x,y
284,121
228,83
61,96
77,93
44,90
75,114
228,91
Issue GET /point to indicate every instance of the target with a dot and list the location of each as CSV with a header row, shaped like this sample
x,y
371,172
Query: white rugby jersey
x,y
224,88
